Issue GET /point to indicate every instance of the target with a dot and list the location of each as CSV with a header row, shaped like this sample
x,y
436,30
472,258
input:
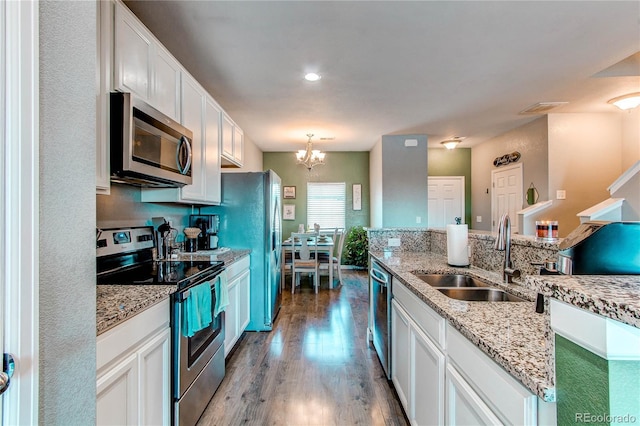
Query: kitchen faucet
x,y
503,243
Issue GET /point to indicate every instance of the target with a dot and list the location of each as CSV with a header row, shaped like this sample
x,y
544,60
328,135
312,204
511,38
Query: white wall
x,y
375,185
630,137
585,152
67,309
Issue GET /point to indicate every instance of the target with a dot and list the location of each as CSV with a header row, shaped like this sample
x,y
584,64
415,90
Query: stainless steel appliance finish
x,y
601,248
251,217
380,295
148,148
125,257
209,225
198,361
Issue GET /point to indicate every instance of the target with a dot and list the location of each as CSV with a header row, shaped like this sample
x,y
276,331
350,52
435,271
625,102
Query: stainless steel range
x,y
125,257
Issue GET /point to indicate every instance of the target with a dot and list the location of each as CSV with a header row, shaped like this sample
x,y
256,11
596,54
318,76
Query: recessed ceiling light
x,y
312,76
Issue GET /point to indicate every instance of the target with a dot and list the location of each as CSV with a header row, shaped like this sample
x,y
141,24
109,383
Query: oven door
x,y
192,354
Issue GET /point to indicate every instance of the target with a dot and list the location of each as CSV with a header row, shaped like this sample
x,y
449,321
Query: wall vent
x,y
542,107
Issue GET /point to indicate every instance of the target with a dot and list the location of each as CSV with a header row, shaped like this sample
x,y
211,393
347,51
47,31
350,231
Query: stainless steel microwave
x,y
148,148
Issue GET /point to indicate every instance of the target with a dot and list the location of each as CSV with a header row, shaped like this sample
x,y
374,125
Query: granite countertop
x,y
117,303
511,333
612,296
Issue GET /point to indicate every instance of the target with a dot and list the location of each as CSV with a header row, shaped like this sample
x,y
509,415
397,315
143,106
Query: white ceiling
x,y
440,68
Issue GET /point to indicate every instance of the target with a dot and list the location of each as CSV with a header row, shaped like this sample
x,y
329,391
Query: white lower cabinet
x,y
464,406
443,378
417,369
134,370
236,315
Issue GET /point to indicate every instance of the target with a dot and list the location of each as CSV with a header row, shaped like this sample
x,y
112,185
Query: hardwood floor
x,y
314,368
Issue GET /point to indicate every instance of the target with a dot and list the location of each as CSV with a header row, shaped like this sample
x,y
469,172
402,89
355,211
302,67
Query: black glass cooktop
x,y
182,273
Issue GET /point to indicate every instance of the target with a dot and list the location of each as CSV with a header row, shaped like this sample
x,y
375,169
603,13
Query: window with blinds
x,y
326,204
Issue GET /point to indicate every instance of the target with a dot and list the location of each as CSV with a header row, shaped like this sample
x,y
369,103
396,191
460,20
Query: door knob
x,y
8,365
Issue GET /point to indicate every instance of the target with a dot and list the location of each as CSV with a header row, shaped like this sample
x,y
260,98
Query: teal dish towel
x,y
222,293
196,309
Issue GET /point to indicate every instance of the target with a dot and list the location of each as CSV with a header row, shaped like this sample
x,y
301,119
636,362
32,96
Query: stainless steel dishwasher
x,y
380,313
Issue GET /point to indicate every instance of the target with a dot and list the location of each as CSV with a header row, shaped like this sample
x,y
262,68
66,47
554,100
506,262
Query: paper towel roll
x,y
457,245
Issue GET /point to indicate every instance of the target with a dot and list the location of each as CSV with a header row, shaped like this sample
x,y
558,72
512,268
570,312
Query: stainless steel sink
x,y
480,294
451,280
464,287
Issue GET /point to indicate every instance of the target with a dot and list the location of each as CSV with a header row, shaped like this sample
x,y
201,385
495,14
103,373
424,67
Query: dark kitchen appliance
x,y
125,257
380,296
251,217
209,225
601,248
148,148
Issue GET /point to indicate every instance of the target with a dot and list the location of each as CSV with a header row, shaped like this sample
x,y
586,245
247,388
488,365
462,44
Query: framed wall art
x,y
288,212
289,192
357,196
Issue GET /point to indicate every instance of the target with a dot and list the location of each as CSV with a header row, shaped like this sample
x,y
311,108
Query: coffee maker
x,y
208,224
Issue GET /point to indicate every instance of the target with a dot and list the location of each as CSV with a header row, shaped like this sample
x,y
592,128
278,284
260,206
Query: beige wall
x,y
585,152
630,137
531,141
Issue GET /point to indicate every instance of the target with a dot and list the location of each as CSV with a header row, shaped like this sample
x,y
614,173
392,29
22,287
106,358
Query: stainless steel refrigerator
x,y
251,217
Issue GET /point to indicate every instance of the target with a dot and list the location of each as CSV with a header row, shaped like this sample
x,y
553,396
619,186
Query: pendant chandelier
x,y
310,157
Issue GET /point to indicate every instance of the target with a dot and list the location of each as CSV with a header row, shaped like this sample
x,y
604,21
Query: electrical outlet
x,y
561,194
418,219
393,242
478,219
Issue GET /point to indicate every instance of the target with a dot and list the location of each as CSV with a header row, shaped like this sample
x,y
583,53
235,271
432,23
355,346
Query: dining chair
x,y
337,260
324,257
286,264
304,259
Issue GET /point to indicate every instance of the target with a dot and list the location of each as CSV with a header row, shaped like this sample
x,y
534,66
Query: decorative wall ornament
x,y
506,159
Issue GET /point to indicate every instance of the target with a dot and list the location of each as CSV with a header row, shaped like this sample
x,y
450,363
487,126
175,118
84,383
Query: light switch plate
x,y
393,242
561,194
478,219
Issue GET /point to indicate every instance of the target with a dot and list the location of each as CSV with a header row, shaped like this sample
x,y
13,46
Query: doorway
x,y
507,195
446,200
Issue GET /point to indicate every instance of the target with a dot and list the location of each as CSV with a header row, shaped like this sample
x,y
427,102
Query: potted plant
x,y
356,247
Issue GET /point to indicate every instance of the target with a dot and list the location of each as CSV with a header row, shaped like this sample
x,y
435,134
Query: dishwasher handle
x,y
379,276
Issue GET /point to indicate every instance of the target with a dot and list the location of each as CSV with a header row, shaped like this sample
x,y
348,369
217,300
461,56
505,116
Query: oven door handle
x,y
185,293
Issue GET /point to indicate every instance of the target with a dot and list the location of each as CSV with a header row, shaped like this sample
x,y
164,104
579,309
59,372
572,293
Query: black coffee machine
x,y
208,224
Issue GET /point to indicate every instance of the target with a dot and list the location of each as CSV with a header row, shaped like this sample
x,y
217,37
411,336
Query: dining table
x,y
323,242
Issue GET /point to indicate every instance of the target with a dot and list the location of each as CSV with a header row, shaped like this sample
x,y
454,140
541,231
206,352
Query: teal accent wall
x,y
348,167
453,162
591,389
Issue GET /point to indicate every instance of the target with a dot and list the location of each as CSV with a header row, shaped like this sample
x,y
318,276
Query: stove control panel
x,y
123,240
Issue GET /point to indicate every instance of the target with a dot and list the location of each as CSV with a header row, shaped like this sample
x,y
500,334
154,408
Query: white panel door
x,y
507,195
446,200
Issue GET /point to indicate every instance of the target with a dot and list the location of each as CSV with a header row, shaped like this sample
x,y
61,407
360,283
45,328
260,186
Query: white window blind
x,y
326,204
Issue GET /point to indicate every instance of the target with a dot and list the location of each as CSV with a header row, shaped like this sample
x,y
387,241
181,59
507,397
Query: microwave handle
x,y
183,141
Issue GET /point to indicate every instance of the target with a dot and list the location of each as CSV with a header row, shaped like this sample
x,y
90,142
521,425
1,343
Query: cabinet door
x,y
227,137
238,145
133,45
155,380
243,301
231,318
105,45
427,380
212,151
192,119
165,94
400,360
464,406
117,394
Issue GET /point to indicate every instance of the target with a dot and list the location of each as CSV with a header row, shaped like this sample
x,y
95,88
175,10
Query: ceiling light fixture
x,y
628,101
312,76
451,143
310,157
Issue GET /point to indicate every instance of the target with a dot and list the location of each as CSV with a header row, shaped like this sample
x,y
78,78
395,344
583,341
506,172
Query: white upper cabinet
x,y
165,93
232,143
132,54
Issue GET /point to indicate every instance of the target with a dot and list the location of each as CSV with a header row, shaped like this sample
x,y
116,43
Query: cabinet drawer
x,y
431,323
511,401
126,336
237,267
